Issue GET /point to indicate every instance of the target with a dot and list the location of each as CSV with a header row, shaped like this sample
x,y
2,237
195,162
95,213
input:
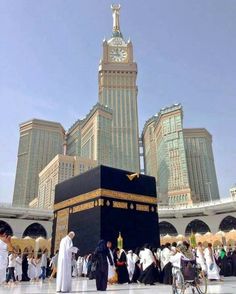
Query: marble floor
x,y
82,285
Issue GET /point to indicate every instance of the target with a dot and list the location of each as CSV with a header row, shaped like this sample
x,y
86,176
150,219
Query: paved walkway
x,y
82,285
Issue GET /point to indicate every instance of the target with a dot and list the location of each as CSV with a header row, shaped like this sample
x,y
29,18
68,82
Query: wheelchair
x,y
190,275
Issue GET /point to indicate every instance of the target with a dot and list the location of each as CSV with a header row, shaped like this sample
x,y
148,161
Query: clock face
x,y
118,54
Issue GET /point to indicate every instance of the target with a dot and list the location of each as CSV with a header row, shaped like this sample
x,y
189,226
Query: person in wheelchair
x,y
187,250
184,260
183,252
185,271
175,259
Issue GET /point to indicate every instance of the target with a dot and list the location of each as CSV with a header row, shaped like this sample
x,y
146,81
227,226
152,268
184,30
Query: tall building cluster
x,y
180,159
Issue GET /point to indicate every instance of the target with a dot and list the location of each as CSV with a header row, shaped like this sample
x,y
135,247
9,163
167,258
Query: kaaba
x,y
102,202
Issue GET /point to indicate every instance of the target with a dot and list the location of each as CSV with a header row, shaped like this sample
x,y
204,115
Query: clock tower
x,y
118,91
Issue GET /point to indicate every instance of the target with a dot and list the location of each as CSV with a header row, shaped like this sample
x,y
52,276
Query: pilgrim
x,y
66,248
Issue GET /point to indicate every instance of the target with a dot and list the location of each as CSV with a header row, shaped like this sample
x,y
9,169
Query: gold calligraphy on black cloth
x,y
99,196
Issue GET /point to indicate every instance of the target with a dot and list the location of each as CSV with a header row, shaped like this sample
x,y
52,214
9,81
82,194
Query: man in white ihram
x,y
5,244
64,263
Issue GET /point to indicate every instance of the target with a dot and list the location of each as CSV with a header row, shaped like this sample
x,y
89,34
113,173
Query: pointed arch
x,y
34,231
228,224
167,228
7,226
197,226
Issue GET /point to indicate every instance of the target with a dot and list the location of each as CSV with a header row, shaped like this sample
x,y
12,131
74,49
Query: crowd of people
x,y
29,266
109,265
149,265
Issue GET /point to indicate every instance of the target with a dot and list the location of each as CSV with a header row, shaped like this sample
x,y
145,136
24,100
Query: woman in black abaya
x,y
25,268
121,267
100,257
224,264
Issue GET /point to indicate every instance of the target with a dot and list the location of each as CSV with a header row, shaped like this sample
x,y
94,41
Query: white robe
x,y
175,259
80,265
200,259
131,259
74,268
166,253
64,282
18,268
85,266
148,258
3,261
212,271
158,255
38,269
111,268
31,268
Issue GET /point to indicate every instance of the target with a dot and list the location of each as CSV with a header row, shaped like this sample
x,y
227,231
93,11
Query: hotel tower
x,y
118,91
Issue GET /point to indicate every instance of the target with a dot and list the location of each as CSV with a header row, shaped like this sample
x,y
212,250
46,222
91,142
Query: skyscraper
x,y
118,90
149,147
165,156
40,141
201,166
91,137
180,159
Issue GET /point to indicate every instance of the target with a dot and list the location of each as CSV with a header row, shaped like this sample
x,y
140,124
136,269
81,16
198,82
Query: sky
x,y
185,51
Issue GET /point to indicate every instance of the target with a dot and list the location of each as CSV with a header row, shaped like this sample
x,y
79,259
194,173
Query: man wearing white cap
x,y
66,248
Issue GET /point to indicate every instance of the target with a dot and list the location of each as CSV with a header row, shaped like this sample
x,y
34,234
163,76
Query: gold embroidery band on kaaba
x,y
61,226
114,204
83,206
142,207
117,204
105,193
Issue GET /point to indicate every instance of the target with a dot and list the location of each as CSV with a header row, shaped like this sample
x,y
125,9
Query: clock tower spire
x,y
116,20
118,90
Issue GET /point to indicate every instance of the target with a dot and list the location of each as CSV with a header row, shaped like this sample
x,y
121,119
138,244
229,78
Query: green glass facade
x,y
180,159
172,173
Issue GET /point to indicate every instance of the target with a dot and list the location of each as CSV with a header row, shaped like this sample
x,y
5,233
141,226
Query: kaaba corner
x,y
102,202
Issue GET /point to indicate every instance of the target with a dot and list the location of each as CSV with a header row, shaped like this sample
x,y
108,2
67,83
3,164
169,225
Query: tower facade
x,y
91,137
118,91
59,169
96,135
181,159
165,157
201,166
149,147
40,141
73,139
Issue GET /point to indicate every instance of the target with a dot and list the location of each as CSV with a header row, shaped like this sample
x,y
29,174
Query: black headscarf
x,y
101,247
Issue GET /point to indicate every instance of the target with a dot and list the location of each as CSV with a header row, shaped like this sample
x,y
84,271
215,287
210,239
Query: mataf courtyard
x,y
83,285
